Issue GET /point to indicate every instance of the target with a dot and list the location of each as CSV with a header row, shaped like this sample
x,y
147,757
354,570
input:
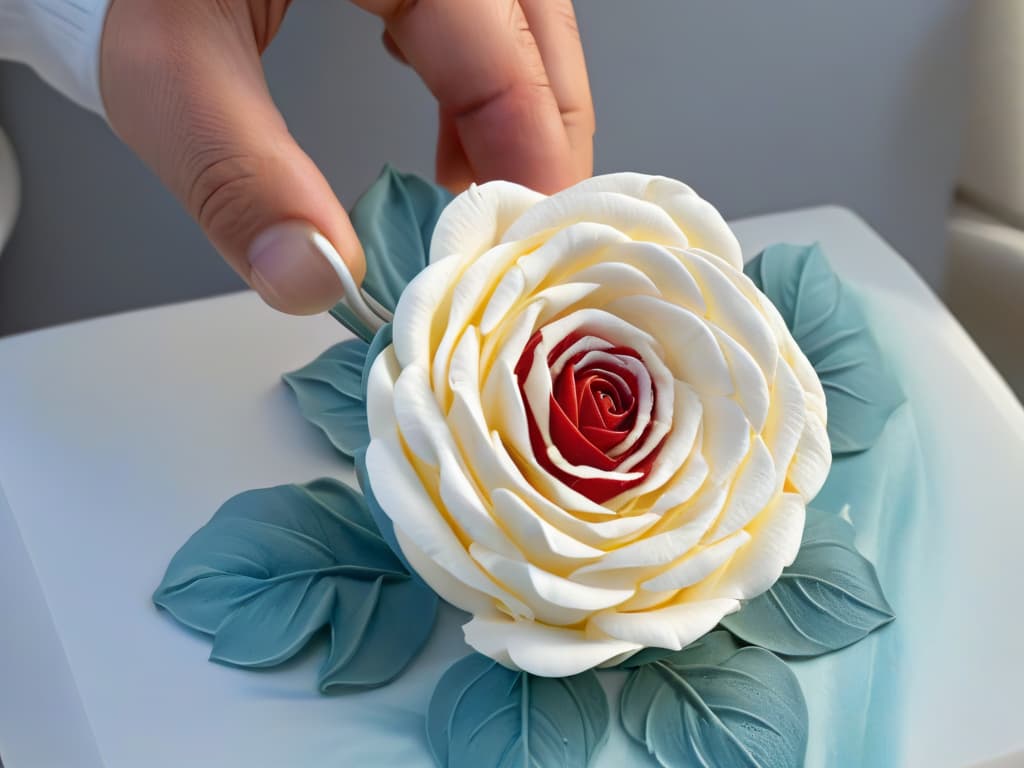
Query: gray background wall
x,y
761,106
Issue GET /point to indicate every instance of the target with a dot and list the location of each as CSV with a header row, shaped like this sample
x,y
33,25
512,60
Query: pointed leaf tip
x,y
829,598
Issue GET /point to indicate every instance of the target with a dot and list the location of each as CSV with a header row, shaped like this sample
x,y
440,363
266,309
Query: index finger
x,y
482,63
553,24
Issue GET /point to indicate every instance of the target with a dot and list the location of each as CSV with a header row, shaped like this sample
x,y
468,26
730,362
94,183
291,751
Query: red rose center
x,y
593,413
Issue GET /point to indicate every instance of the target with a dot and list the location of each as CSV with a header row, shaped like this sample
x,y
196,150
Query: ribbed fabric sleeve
x,y
60,39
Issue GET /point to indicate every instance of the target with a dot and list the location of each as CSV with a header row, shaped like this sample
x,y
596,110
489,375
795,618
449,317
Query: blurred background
x,y
760,106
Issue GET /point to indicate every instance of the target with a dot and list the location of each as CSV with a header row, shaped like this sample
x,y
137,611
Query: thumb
x,y
183,86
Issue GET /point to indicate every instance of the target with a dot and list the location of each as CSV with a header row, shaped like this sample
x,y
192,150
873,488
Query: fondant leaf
x,y
482,714
275,566
714,703
331,394
394,220
645,656
827,599
828,323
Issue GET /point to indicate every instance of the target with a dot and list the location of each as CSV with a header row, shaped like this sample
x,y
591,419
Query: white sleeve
x,y
59,39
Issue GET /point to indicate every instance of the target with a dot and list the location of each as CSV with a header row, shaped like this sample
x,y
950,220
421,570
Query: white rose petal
x,y
673,627
543,650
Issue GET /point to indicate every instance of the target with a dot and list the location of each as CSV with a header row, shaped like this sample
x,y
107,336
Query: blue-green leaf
x,y
275,566
827,599
645,656
351,320
331,394
829,324
482,714
714,703
394,220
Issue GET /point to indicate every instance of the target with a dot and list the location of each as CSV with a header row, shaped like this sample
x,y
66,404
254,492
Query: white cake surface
x,y
119,437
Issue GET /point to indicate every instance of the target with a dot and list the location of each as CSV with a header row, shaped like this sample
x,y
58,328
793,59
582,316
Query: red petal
x,y
590,411
567,437
612,411
603,439
565,393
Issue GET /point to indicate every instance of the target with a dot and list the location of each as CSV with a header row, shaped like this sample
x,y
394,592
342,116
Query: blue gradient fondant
x,y
275,566
715,703
482,714
855,696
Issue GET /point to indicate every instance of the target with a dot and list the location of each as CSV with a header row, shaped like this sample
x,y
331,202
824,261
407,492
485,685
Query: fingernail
x,y
290,273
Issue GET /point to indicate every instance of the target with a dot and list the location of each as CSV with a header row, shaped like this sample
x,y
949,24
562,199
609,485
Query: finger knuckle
x,y
220,193
581,119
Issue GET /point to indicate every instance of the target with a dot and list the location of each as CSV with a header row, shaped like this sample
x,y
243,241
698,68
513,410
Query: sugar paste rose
x,y
592,432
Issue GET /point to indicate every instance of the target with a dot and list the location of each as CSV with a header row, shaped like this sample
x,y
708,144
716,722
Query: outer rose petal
x,y
635,218
404,500
478,218
752,490
812,460
451,589
539,649
673,627
414,315
775,540
696,218
696,567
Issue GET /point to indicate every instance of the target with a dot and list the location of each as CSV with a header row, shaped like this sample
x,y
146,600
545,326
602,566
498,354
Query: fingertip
x,y
289,271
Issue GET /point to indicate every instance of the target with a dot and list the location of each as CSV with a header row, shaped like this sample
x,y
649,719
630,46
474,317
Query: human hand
x,y
183,86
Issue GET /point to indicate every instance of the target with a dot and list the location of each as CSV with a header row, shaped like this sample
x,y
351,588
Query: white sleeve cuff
x,y
59,39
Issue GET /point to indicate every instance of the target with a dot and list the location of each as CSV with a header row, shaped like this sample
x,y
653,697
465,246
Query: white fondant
x,y
750,380
675,626
774,541
787,419
809,467
654,551
688,346
751,491
732,311
477,219
636,219
554,599
697,566
540,649
409,506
